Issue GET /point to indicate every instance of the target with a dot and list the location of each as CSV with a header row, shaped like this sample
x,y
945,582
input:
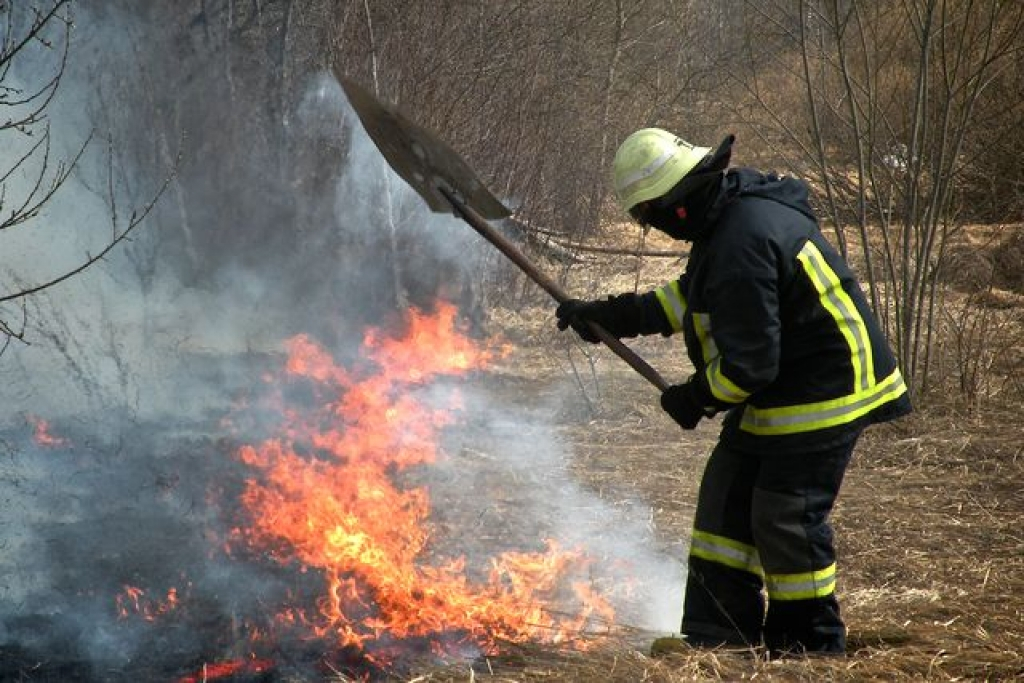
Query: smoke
x,y
135,362
518,469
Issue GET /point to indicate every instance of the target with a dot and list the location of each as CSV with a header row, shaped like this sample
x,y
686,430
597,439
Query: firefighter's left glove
x,y
576,313
682,403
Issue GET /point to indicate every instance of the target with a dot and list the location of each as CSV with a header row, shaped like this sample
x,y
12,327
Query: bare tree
x,y
31,178
537,94
893,94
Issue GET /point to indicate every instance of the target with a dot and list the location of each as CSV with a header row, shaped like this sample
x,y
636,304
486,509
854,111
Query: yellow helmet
x,y
650,162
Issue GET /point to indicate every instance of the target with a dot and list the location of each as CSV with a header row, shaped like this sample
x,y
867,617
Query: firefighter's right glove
x,y
682,403
621,316
576,313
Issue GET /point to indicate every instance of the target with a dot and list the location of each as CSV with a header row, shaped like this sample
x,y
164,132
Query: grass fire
x,y
325,498
482,342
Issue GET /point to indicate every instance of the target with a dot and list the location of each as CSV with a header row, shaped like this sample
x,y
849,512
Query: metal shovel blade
x,y
448,185
421,158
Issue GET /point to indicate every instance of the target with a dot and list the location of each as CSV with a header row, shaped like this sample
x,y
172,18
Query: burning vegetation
x,y
326,508
324,530
326,497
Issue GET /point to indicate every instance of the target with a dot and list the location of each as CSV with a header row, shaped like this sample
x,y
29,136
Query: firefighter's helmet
x,y
650,162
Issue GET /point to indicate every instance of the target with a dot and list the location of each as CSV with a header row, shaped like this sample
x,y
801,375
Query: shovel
x,y
447,184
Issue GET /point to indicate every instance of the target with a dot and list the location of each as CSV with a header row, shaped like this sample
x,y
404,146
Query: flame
x,y
239,667
41,433
132,600
326,497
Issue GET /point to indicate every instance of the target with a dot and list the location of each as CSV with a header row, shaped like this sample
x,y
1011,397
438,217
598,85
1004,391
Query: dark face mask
x,y
681,213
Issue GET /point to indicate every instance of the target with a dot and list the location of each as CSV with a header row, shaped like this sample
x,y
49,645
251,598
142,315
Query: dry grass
x,y
928,526
929,535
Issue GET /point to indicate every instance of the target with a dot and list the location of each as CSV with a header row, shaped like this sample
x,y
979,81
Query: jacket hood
x,y
748,182
699,211
785,190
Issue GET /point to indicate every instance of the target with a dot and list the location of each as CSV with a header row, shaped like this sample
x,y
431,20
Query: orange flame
x,y
41,433
327,499
218,670
132,600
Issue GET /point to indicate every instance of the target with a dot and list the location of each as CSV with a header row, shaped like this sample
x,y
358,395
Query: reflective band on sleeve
x,y
721,386
674,303
725,551
848,319
803,586
811,416
702,326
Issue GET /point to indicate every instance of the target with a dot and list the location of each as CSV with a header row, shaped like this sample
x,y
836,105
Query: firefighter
x,y
785,346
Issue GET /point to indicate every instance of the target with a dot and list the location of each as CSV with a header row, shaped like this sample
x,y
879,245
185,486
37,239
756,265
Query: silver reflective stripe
x,y
721,386
803,586
702,326
646,171
725,551
838,303
806,417
674,304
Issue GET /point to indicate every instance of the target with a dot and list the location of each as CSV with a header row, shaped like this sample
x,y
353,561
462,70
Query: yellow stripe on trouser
x,y
802,586
725,551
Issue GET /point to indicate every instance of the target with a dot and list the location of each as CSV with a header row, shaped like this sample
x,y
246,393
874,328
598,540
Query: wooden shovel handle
x,y
550,286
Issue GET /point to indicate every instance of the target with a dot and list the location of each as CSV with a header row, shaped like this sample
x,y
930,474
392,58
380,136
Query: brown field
x,y
928,525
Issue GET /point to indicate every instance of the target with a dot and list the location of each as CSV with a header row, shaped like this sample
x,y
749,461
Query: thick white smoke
x,y
133,364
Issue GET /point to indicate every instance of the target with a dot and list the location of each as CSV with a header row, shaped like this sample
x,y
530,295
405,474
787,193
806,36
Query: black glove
x,y
683,404
621,316
575,313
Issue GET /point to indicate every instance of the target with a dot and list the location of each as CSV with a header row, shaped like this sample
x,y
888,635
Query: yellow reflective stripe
x,y
725,551
674,304
721,386
702,326
802,586
811,416
839,304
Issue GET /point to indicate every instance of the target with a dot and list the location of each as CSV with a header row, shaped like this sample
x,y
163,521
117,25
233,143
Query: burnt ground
x,y
930,542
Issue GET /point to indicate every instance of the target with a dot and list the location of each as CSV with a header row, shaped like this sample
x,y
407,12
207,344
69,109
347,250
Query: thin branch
x,y
32,204
47,91
35,30
134,221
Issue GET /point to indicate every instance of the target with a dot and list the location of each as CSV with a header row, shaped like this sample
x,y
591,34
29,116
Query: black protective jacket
x,y
775,323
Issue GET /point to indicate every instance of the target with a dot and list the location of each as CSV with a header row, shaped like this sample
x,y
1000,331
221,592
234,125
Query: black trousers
x,y
761,530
